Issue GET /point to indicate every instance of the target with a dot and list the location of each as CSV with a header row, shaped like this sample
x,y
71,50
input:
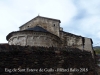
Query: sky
x,y
80,17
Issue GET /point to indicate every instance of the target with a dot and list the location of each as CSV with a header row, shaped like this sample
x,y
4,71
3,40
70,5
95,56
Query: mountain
x,y
96,47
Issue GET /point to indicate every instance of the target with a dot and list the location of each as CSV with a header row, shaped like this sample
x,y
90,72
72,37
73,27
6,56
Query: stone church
x,y
46,32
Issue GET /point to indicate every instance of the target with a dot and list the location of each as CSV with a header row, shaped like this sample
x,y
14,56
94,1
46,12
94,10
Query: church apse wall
x,y
33,39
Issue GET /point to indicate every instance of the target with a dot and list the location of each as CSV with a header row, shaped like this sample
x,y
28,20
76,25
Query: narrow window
x,y
54,25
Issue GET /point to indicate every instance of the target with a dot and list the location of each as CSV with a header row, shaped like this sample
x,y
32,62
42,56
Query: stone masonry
x,y
46,32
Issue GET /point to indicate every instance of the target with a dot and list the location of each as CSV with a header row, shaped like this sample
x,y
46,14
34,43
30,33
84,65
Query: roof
x,y
49,18
41,17
71,34
34,29
37,28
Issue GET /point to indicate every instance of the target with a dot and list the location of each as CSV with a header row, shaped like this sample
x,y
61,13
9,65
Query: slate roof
x,y
49,18
37,28
34,29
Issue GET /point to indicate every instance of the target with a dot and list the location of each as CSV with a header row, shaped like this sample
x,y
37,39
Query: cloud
x,y
78,17
87,20
15,13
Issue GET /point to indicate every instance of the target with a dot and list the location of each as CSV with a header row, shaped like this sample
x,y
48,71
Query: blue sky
x,y
80,17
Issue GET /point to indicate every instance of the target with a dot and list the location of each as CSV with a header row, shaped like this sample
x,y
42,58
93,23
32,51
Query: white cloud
x,y
92,6
50,8
14,13
79,17
87,21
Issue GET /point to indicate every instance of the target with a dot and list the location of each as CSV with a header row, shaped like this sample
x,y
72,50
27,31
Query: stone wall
x,y
71,40
80,42
88,44
53,26
31,38
50,25
17,60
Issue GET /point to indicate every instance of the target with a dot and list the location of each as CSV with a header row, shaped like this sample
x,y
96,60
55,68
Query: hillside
x,y
97,49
